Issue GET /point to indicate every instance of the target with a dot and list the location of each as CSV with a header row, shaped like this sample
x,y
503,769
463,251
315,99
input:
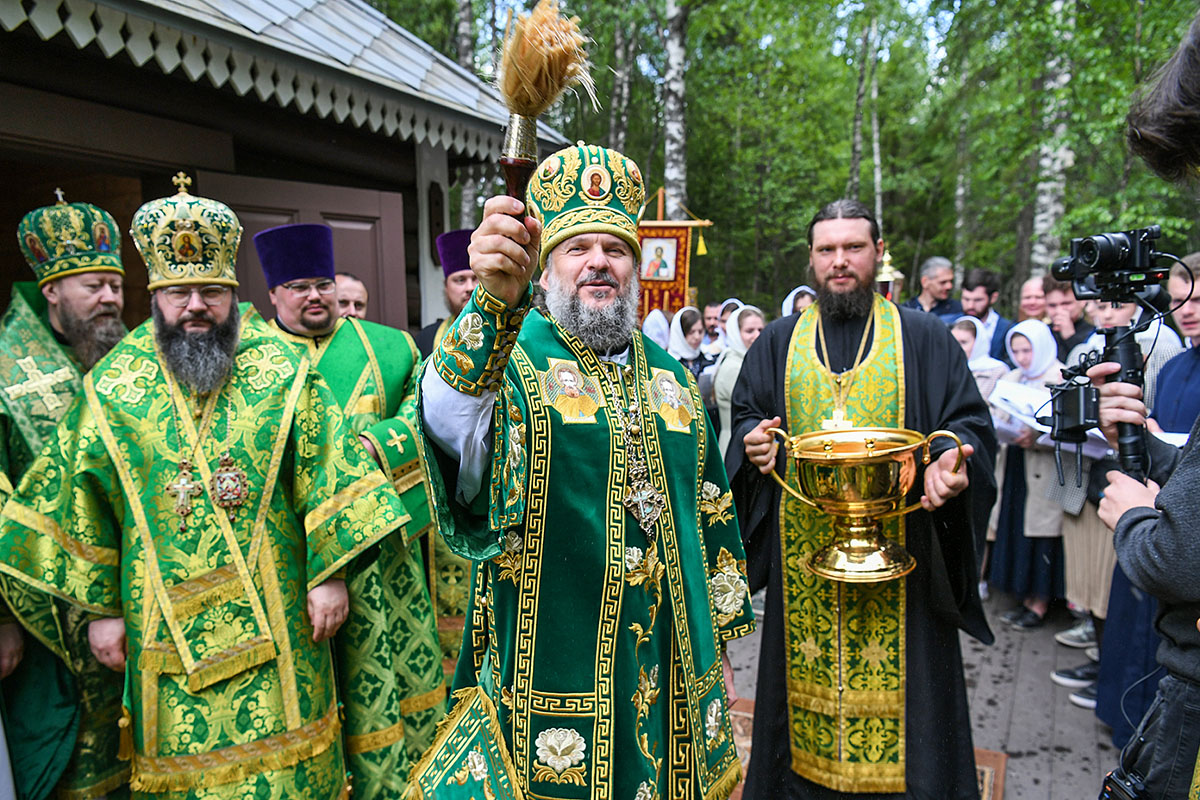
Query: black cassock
x,y
943,590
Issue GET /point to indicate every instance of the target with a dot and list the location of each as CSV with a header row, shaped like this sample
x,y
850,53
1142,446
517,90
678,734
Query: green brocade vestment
x,y
844,641
61,706
597,640
389,662
228,695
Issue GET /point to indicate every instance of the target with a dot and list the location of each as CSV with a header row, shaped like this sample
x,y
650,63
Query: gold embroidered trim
x,y
188,598
421,702
366,742
235,763
332,506
227,663
100,789
366,404
372,362
96,554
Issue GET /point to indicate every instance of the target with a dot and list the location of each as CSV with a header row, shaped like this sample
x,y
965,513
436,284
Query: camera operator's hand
x,y
1122,494
1119,402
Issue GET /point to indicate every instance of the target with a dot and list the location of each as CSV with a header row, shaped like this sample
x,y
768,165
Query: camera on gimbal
x,y
1112,268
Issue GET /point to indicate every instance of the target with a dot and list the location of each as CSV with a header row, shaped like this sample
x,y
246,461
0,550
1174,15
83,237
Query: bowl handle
x,y
925,459
780,433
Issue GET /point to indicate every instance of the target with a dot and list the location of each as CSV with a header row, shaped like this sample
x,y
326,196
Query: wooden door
x,y
368,234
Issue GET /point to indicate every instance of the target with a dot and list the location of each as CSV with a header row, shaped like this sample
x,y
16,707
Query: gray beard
x,y
199,361
605,330
854,304
92,338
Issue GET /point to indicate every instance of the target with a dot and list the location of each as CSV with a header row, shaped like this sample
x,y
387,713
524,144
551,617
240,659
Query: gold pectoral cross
x,y
184,488
837,421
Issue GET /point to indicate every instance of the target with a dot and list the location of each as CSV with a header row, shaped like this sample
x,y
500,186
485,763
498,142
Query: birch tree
x,y
856,135
1055,155
674,110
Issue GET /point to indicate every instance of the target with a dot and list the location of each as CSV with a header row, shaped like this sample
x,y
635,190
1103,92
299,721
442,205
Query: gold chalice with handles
x,y
859,477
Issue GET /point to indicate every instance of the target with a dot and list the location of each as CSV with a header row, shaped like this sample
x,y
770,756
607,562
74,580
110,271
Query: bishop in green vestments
x,y
860,685
609,572
199,502
389,662
60,706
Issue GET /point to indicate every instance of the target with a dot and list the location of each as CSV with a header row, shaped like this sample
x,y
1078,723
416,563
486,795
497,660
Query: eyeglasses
x,y
180,296
304,288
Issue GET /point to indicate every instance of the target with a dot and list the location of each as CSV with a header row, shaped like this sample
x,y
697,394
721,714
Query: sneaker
x,y
1093,653
1085,697
1082,634
1029,620
1077,677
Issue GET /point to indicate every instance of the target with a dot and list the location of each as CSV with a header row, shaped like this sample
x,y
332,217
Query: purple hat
x,y
452,250
294,252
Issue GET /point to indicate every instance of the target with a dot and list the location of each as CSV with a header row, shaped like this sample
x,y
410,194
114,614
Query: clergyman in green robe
x,y
60,707
389,662
200,502
610,572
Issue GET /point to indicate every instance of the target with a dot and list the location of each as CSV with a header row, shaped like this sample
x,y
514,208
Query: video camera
x,y
1112,268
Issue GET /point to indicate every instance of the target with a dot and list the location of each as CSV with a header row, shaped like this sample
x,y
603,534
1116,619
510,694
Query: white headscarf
x,y
733,328
657,328
733,331
729,300
1155,333
979,358
1045,348
678,346
789,302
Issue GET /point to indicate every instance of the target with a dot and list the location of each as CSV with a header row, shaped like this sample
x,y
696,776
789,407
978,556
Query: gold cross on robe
x,y
40,383
126,379
397,441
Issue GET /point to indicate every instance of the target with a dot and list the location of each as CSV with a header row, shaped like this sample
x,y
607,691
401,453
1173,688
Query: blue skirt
x,y
1021,565
1131,614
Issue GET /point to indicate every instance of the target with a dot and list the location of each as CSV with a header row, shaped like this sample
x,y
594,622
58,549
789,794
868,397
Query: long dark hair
x,y
1163,126
690,317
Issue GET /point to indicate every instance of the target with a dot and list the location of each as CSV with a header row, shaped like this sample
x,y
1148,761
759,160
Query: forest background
x,y
989,133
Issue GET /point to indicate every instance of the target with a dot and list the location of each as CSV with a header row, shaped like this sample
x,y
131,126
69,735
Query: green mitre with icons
x,y
586,189
185,239
68,239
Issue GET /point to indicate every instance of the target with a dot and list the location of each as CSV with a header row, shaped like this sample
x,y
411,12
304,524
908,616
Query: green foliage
x,y
962,89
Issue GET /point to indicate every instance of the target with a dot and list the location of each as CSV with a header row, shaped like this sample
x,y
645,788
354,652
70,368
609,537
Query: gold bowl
x,y
859,477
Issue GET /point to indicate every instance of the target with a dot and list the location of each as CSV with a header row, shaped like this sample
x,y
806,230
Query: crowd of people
x,y
247,556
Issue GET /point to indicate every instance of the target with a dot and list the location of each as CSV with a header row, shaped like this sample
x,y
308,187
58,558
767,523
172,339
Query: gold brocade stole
x,y
844,642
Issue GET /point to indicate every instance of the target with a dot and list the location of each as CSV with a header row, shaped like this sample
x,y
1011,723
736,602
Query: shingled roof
x,y
332,58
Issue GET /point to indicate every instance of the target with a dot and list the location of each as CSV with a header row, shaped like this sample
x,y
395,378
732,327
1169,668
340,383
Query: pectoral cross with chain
x,y
184,488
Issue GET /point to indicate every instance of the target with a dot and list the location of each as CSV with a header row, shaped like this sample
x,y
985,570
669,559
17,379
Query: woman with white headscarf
x,y
973,337
742,328
656,327
797,300
687,330
1027,558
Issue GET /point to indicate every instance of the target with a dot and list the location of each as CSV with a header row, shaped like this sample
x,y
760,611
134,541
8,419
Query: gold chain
x,y
840,391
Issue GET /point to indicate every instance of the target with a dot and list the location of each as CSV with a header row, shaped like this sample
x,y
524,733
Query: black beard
x,y
91,338
839,306
605,330
199,361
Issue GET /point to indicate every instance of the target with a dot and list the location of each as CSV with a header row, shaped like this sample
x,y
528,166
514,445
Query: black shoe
x,y
1014,615
1028,621
1078,677
1085,697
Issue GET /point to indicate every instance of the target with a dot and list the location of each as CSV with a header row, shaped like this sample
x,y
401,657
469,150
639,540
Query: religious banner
x,y
663,272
